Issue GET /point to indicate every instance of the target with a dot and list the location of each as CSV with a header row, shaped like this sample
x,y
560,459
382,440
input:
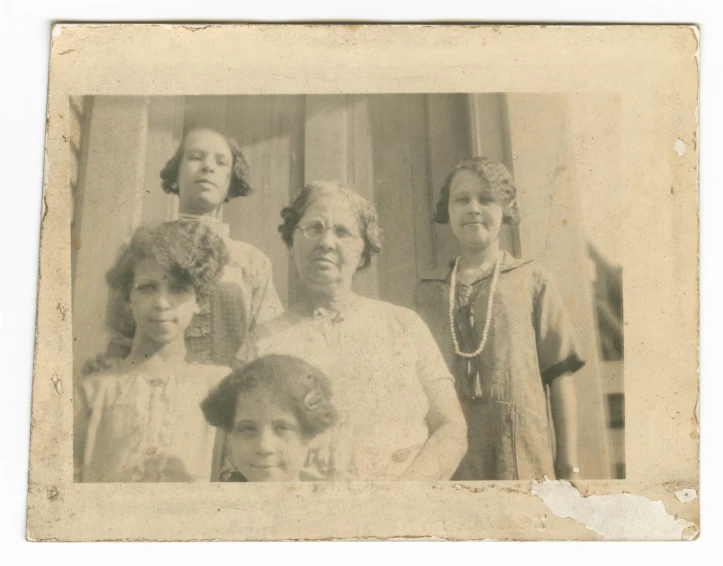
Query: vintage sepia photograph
x,y
368,287
366,294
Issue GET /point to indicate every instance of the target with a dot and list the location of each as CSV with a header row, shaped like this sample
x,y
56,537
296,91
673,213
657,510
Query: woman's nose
x,y
266,442
161,300
474,207
207,164
328,239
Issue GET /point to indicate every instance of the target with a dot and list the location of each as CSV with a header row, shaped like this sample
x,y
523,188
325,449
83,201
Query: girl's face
x,y
204,175
474,215
327,246
162,305
266,441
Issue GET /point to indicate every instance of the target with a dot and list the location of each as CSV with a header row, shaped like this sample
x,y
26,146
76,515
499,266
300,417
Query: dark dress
x,y
503,391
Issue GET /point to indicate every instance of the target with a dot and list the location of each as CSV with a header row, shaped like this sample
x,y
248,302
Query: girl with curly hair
x,y
270,411
502,328
208,170
141,421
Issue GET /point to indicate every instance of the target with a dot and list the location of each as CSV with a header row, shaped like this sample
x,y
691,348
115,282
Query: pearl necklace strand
x,y
490,304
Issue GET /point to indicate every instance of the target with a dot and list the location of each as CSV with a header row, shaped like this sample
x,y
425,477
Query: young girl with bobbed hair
x,y
141,421
503,330
270,411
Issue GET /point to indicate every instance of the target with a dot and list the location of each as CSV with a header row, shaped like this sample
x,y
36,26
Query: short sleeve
x,y
557,348
430,363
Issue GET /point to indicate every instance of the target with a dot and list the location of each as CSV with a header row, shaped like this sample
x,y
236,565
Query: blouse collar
x,y
444,274
216,224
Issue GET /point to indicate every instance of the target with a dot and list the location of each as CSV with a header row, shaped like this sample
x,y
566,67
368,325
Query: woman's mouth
x,y
324,261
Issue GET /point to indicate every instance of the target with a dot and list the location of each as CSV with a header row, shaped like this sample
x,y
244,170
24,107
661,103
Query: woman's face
x,y
327,245
204,175
474,215
162,305
266,443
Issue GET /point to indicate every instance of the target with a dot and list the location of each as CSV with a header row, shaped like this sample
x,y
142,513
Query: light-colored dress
x,y
503,391
380,358
244,297
145,426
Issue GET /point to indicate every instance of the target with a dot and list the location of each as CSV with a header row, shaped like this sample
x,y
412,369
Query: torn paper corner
x,y
616,516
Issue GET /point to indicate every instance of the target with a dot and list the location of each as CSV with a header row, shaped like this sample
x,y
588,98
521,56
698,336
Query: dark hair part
x,y
366,214
191,251
238,186
302,386
493,175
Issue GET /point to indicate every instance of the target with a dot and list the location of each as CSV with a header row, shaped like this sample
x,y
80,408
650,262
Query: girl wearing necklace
x,y
207,171
503,331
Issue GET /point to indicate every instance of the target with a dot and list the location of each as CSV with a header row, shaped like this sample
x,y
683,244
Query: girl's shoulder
x,y
387,313
208,375
535,271
96,384
247,257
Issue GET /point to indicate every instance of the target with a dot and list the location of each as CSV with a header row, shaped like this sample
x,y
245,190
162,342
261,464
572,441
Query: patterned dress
x,y
504,390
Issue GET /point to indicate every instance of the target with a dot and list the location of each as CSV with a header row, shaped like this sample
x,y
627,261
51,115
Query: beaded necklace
x,y
490,304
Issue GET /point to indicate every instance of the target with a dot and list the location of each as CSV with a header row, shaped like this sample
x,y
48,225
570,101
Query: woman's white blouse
x,y
143,426
379,358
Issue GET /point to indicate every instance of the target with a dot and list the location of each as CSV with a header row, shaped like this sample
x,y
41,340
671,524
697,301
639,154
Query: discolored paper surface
x,y
601,129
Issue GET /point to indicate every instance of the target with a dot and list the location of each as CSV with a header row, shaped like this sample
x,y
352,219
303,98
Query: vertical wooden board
x,y
164,122
486,125
244,215
325,138
550,232
114,173
422,187
449,143
285,180
205,112
392,143
249,219
360,175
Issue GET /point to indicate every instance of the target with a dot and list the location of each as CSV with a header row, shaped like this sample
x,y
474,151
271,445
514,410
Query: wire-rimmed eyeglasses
x,y
314,230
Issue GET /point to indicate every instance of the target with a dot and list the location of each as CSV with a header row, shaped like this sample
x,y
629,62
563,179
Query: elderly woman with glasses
x,y
399,417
